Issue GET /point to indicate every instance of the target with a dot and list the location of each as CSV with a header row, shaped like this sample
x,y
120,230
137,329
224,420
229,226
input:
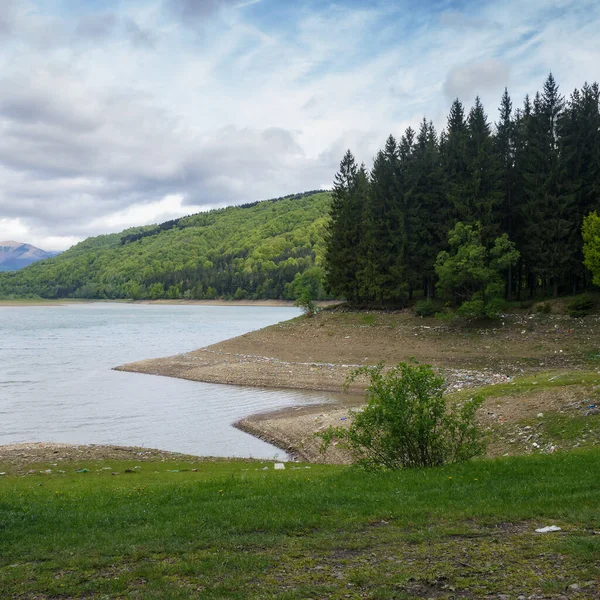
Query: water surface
x,y
56,382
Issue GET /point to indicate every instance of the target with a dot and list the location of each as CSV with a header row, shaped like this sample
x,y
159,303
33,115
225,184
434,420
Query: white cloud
x,y
157,108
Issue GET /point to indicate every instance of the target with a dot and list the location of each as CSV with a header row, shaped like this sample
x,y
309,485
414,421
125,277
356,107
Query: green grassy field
x,y
234,530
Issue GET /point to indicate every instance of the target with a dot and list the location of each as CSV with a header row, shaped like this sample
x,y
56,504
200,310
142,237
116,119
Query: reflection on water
x,y
56,382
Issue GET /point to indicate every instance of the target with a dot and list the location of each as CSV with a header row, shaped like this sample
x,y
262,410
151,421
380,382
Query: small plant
x,y
306,303
544,308
370,320
407,421
581,306
425,308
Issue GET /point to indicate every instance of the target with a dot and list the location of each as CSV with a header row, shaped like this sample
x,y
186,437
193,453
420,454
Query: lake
x,y
57,382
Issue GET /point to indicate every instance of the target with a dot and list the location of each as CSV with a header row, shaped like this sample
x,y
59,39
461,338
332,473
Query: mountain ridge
x,y
262,250
18,255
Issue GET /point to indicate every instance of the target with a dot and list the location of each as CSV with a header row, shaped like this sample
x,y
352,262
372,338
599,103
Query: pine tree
x,y
456,167
343,232
368,283
505,147
428,215
548,205
387,225
483,202
407,229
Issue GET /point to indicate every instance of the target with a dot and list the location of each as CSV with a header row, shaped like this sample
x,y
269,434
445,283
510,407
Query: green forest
x,y
476,213
269,249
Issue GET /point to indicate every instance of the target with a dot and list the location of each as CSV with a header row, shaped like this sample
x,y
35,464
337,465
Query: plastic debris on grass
x,y
548,529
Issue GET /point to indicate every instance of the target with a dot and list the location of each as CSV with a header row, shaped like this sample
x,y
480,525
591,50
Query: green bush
x,y
307,304
407,421
544,308
581,306
425,308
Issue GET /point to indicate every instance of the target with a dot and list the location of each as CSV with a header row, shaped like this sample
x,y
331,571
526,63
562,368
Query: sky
x,y
119,113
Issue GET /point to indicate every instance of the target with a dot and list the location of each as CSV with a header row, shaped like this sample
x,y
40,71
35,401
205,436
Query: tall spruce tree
x,y
387,223
407,228
456,164
548,205
428,216
366,275
483,198
343,236
505,146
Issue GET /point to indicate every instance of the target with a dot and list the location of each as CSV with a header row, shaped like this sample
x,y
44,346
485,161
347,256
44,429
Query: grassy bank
x,y
234,530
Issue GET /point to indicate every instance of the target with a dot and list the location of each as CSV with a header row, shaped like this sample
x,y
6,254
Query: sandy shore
x,y
319,353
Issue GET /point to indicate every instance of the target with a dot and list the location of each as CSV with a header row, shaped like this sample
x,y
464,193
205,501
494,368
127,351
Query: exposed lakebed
x,y
56,382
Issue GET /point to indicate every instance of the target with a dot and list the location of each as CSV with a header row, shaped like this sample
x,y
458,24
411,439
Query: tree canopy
x,y
520,189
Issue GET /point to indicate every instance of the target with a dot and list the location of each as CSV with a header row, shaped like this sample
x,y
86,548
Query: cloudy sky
x,y
115,113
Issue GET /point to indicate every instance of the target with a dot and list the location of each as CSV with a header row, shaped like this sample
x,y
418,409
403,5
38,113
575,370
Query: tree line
x,y
521,188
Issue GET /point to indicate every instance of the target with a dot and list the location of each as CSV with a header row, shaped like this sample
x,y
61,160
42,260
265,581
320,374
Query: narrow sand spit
x,y
319,353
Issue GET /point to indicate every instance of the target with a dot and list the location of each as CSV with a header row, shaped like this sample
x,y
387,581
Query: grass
x,y
524,385
233,530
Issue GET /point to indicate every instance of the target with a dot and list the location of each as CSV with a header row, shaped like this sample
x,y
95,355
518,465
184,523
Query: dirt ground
x,y
318,354
294,429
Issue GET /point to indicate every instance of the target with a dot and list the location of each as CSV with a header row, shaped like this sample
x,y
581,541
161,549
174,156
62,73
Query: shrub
x,y
306,303
471,274
407,421
544,308
581,306
425,308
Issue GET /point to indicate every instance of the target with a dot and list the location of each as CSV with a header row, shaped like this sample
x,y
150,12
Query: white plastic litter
x,y
548,529
279,466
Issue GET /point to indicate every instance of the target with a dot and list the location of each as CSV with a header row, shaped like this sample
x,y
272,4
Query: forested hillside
x,y
476,211
269,249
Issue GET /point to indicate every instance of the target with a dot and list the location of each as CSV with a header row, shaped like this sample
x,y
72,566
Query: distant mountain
x,y
15,255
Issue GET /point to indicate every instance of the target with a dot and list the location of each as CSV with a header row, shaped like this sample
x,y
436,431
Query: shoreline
x,y
28,453
317,354
216,302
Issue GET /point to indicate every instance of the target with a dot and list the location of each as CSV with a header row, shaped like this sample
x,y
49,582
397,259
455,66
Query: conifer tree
x,y
428,216
579,129
505,146
483,200
343,232
548,205
366,275
531,181
387,224
454,152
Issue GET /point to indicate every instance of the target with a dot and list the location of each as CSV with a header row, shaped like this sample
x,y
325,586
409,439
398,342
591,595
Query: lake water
x,y
56,382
